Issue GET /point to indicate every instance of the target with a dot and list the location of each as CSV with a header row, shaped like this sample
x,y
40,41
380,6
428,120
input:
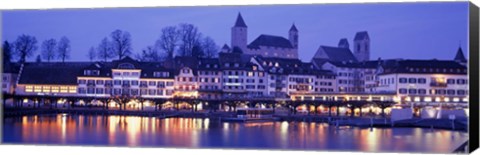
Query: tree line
x,y
180,40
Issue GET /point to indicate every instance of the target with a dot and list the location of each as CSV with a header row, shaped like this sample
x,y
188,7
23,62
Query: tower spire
x,y
239,22
293,28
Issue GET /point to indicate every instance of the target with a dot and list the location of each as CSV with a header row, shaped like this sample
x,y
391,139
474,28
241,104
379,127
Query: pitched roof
x,y
337,54
424,66
459,56
343,42
226,47
52,73
239,22
289,66
270,40
293,28
361,35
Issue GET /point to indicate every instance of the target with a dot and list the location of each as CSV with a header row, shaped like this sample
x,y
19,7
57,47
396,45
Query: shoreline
x,y
362,122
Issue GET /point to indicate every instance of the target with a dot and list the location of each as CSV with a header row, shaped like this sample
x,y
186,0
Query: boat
x,y
252,115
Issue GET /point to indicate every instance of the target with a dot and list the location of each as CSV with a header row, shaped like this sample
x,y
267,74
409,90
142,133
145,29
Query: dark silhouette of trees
x,y
91,54
210,49
149,54
168,41
104,50
7,52
39,59
121,43
25,46
189,37
64,48
49,49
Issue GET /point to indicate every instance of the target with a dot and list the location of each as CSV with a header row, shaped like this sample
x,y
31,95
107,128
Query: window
x,y
422,80
461,81
412,91
461,92
100,82
422,91
99,91
126,82
402,80
151,83
90,90
151,92
117,82
117,73
161,84
169,83
126,73
450,92
402,91
135,74
135,83
450,81
412,80
160,92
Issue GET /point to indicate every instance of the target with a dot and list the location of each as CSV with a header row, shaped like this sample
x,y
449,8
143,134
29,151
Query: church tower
x,y
361,46
239,34
293,36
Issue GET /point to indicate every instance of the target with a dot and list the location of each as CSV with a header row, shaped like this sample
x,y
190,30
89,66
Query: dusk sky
x,y
397,30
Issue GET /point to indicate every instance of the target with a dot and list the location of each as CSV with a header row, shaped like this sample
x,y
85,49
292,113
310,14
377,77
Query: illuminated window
x,y
250,74
54,89
72,89
28,88
63,89
46,89
37,89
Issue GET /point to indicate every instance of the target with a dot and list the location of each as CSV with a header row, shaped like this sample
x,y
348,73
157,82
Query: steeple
x,y
240,22
459,57
343,43
293,28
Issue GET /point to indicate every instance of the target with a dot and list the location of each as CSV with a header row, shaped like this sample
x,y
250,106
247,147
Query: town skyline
x,y
216,23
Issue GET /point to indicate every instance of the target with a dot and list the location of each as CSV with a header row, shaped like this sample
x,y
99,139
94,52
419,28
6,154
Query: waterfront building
x,y
265,45
9,77
425,82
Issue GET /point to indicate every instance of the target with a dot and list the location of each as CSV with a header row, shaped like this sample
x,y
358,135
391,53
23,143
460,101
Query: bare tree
x,y
210,49
121,43
92,54
104,50
64,48
25,46
49,49
189,37
149,54
168,41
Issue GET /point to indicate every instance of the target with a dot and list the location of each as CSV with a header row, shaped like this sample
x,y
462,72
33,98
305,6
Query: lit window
x,y
28,88
37,89
46,89
63,89
72,89
54,89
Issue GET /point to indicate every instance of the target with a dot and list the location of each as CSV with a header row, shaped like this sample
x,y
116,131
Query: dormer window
x,y
91,72
276,64
236,64
208,66
254,68
227,65
215,66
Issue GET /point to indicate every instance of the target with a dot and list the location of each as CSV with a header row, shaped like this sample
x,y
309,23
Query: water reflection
x,y
211,133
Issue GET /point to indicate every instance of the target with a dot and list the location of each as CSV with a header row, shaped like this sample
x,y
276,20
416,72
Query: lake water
x,y
63,129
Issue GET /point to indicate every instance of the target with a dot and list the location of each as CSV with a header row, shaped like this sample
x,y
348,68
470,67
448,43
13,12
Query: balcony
x,y
438,84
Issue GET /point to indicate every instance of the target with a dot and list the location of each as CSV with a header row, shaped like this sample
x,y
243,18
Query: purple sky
x,y
397,30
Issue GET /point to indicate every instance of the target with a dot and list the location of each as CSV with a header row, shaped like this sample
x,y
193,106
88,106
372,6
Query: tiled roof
x,y
269,40
288,66
337,54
